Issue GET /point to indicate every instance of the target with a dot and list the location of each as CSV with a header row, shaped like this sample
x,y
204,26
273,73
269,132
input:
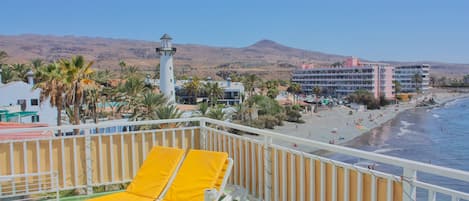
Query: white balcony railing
x,y
266,170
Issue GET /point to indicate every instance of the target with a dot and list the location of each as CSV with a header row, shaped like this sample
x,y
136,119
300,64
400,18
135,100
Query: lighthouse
x,y
166,52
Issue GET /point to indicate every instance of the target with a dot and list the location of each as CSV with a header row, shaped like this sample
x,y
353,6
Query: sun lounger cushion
x,y
155,171
199,171
153,176
122,196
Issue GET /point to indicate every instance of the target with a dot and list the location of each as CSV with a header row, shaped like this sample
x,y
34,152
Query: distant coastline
x,y
337,126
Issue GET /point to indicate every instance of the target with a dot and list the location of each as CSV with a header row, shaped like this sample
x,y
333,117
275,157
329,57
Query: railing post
x,y
89,166
408,187
203,134
267,168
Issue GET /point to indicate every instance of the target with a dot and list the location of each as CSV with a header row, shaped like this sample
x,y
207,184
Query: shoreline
x,y
338,127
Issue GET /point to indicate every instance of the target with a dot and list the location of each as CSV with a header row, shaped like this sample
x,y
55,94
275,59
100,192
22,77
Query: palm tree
x,y
37,63
193,88
217,113
8,75
294,88
168,112
20,71
214,92
92,99
249,83
272,93
77,75
52,85
3,57
417,78
397,87
113,98
129,92
146,107
102,77
203,109
317,92
122,64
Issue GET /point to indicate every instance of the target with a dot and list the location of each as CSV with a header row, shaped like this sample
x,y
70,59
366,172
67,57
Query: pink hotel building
x,y
376,78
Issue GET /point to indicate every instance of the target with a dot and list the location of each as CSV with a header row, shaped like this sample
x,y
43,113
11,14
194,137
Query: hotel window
x,y
34,102
35,118
22,103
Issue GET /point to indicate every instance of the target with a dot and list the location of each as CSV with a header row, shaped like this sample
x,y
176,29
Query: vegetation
x,y
417,79
213,91
364,97
74,87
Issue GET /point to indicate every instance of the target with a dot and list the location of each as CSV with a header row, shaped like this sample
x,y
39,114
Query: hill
x,y
265,58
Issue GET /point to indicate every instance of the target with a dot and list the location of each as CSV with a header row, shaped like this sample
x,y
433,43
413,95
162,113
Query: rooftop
x,y
95,163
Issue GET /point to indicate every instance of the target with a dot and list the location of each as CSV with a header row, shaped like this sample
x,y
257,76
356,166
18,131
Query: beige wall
x,y
119,146
68,155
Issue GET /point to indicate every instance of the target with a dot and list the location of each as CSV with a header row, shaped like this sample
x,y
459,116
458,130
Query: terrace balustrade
x,y
266,170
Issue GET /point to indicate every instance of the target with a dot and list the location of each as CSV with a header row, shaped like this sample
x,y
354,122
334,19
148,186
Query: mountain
x,y
265,58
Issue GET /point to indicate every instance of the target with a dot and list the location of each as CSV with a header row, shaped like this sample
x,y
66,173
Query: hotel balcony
x,y
45,168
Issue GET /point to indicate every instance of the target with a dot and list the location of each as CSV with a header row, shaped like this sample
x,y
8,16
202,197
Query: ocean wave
x,y
406,123
385,150
436,116
403,131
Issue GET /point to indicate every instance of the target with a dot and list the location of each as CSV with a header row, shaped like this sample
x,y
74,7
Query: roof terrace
x,y
47,168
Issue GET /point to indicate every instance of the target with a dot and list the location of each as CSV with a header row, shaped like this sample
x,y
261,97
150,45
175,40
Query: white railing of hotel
x,y
264,169
43,185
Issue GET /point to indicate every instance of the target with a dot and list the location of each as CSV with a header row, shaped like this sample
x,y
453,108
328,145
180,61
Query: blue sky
x,y
405,30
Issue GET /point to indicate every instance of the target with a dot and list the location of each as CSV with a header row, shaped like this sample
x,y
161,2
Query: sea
x,y
438,136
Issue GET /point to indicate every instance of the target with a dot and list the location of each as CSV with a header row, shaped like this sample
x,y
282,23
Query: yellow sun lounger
x,y
201,170
155,174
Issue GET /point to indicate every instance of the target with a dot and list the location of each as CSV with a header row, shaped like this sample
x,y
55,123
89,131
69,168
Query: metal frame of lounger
x,y
225,178
171,179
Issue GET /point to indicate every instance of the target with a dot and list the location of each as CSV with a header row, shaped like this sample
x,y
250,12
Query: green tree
x,y
417,79
364,97
217,112
77,73
317,92
294,89
37,63
8,75
272,93
102,77
397,87
249,83
146,106
122,65
3,57
168,112
203,109
52,84
193,88
129,92
20,71
214,92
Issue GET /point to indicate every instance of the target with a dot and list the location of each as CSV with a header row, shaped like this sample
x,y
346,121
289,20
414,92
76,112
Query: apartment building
x,y
413,77
353,75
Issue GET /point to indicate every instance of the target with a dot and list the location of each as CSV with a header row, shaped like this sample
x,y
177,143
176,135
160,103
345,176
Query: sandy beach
x,y
337,126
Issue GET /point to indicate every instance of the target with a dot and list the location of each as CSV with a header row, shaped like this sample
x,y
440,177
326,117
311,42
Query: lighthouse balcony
x,y
105,157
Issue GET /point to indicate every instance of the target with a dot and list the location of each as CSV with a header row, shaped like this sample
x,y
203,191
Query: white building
x,y
405,75
166,52
232,95
20,103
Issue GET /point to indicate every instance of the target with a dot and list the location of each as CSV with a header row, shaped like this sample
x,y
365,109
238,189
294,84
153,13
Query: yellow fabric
x,y
199,171
219,181
155,172
122,196
152,177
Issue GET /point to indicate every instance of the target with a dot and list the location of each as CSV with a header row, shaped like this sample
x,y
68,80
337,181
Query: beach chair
x,y
200,171
153,178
